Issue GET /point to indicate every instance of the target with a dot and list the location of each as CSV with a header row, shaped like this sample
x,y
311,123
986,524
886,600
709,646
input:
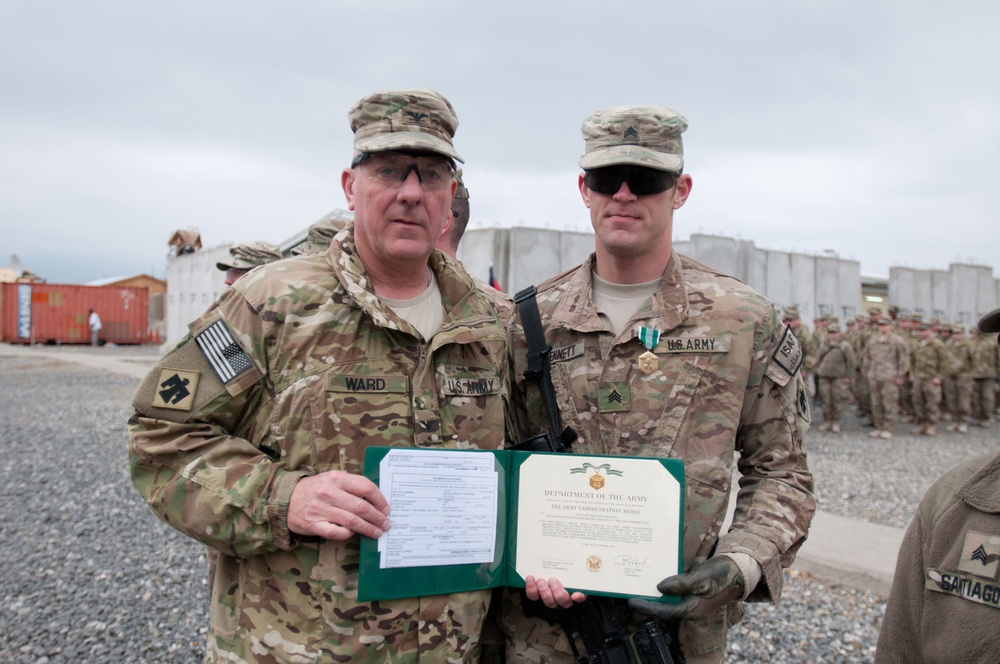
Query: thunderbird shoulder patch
x,y
176,389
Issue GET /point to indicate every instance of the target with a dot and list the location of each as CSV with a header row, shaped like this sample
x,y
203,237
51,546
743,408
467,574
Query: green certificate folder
x,y
470,520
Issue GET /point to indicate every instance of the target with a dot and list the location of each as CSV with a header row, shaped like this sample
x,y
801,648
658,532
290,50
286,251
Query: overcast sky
x,y
869,128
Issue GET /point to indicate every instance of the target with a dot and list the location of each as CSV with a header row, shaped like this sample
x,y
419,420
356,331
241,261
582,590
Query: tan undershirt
x,y
423,312
618,302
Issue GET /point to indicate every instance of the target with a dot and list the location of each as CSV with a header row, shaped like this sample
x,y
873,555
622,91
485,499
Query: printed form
x,y
443,508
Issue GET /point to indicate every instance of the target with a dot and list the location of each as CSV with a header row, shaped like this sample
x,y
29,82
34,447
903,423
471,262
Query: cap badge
x,y
631,133
416,115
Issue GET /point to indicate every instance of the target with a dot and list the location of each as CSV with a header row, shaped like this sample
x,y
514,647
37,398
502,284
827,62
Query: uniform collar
x,y
668,306
982,490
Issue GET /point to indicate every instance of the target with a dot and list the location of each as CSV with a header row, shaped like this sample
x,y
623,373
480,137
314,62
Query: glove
x,y
704,588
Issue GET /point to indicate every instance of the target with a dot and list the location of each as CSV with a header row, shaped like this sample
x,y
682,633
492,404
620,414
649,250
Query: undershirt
x,y
424,311
618,302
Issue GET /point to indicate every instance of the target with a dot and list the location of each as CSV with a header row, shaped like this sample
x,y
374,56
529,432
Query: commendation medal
x,y
647,362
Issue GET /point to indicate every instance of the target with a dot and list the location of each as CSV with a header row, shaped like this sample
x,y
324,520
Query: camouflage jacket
x,y
836,360
985,356
959,357
885,358
324,370
929,359
726,389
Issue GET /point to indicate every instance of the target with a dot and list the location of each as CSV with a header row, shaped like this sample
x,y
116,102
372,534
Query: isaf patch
x,y
224,355
176,389
789,354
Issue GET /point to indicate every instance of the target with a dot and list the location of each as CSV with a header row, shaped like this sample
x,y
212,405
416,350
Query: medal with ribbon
x,y
649,337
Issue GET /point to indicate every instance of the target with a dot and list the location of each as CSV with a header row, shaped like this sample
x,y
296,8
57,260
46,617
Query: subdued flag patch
x,y
176,389
224,355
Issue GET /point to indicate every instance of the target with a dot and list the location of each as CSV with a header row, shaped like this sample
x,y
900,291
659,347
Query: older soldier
x,y
930,364
945,592
245,257
834,370
628,383
250,435
885,363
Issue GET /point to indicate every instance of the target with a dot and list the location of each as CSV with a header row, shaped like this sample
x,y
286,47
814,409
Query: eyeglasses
x,y
641,181
392,169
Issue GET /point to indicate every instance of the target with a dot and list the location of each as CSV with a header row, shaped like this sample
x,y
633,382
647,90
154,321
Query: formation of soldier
x,y
900,367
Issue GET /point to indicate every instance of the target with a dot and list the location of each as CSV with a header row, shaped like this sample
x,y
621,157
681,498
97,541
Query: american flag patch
x,y
225,355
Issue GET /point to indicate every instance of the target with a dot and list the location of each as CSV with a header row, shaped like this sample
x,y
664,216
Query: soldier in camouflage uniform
x,y
716,381
247,256
929,365
985,367
250,435
834,370
885,363
961,369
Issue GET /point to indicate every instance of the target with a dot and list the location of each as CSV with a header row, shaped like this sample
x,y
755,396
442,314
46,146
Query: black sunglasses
x,y
641,181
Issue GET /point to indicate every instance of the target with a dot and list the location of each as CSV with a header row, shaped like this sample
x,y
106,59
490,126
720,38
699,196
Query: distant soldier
x,y
985,367
961,369
792,319
457,222
930,363
907,327
948,383
834,369
862,395
245,257
319,235
885,363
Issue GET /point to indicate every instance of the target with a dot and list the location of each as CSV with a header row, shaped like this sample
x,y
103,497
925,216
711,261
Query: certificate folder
x,y
602,525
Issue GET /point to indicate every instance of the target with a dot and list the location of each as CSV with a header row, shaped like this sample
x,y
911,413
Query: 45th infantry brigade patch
x,y
176,389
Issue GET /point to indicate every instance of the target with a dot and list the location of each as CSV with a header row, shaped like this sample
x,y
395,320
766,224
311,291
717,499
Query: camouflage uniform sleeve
x,y
190,454
774,505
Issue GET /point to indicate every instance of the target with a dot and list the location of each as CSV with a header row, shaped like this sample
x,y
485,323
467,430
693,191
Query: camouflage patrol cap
x,y
791,313
250,255
462,191
874,311
834,328
647,136
884,320
418,119
945,327
990,323
320,233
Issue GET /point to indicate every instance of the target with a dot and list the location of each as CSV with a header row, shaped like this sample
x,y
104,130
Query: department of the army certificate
x,y
475,519
605,524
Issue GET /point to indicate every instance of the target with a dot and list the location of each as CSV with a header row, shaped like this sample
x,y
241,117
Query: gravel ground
x,y
92,576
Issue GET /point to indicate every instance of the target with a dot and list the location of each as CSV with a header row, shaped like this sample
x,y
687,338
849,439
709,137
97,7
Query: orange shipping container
x,y
58,313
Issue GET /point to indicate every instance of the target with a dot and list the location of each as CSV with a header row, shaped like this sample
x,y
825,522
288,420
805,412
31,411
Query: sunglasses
x,y
392,169
641,181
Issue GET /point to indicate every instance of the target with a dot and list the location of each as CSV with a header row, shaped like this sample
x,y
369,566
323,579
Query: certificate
x,y
471,520
599,524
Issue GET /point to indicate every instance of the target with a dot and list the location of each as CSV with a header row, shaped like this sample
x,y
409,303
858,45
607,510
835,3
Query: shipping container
x,y
58,313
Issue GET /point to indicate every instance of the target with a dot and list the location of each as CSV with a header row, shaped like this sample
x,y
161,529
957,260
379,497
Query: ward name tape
x,y
224,355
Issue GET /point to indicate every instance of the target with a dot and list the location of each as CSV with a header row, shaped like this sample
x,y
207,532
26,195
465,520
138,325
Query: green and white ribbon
x,y
649,337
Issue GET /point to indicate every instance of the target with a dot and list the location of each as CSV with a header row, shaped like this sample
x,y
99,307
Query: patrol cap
x,y
834,327
945,327
320,233
791,313
884,320
462,191
647,136
990,323
874,311
249,255
418,119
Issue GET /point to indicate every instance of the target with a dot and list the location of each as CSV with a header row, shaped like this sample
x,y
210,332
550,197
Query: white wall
x,y
193,284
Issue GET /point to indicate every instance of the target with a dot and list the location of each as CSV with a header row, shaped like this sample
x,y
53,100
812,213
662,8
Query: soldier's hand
x,y
335,505
704,588
551,592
